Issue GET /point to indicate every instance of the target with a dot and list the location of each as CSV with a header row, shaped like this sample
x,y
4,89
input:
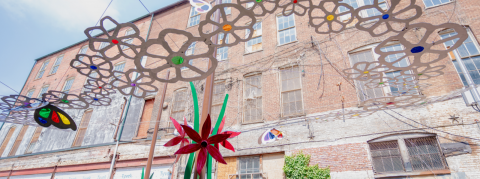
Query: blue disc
x,y
417,49
386,16
42,120
95,99
93,67
205,7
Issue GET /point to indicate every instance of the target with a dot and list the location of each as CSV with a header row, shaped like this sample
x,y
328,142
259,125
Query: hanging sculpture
x,y
51,115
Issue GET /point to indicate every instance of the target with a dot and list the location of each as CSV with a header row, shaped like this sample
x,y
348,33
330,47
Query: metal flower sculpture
x,y
96,99
392,102
177,59
420,51
226,26
260,7
136,83
328,21
116,42
65,100
179,139
204,144
94,64
381,82
232,134
298,7
97,86
20,103
363,71
427,72
378,21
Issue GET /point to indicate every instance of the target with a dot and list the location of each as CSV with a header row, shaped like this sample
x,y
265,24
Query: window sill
x,y
410,174
248,53
288,43
51,74
193,25
256,122
292,116
440,5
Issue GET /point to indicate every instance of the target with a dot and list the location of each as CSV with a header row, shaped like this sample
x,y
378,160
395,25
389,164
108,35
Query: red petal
x,y
217,138
177,126
232,133
227,145
215,153
173,141
186,141
220,128
185,121
201,160
192,134
178,155
206,128
188,149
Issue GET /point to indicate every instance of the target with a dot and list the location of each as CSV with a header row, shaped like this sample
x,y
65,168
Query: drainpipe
x,y
125,115
3,123
120,120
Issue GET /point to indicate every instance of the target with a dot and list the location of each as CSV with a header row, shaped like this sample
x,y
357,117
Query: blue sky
x,y
33,28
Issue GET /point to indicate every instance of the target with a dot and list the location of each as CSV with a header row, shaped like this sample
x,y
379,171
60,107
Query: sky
x,y
34,28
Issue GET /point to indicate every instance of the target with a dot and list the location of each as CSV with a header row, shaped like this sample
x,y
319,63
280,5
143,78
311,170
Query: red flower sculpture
x,y
225,143
180,138
204,143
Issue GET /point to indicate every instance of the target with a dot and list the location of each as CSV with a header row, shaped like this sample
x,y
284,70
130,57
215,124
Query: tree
x,y
296,167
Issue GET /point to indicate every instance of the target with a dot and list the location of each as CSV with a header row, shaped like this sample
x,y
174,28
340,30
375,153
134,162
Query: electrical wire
x,y
9,87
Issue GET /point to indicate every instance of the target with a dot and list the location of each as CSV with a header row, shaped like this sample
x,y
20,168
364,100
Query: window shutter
x,y
18,141
82,128
5,141
146,118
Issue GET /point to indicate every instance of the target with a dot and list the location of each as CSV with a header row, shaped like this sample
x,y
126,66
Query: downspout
x,y
125,115
1,126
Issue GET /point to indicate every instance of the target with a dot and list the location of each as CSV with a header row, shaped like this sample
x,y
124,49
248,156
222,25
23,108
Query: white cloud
x,y
65,14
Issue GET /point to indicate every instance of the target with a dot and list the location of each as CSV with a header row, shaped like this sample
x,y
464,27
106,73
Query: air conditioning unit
x,y
469,98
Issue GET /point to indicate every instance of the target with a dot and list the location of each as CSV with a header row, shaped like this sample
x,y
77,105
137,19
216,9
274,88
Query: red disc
x,y
115,41
99,87
294,1
390,103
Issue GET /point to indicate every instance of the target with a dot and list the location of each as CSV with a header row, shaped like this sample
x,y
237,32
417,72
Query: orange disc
x,y
227,27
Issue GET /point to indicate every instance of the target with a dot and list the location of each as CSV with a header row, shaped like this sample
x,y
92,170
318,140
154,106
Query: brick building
x,y
287,77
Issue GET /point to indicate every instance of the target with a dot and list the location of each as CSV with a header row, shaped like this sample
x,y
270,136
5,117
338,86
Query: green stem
x,y
215,131
196,126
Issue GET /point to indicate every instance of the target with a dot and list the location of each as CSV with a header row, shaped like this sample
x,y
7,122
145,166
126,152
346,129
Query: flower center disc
x,y
100,87
204,143
330,17
65,101
417,49
227,27
115,41
177,60
381,83
93,67
366,72
294,1
133,84
386,16
95,99
259,0
390,103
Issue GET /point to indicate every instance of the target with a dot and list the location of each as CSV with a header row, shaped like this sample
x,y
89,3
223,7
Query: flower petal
x,y
215,153
188,149
227,145
201,160
173,141
178,155
186,141
206,128
177,126
220,128
192,134
217,138
232,133
185,121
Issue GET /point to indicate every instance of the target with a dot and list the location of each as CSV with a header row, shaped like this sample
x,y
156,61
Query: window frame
x,y
427,7
90,110
218,103
130,40
281,91
260,75
6,140
40,94
65,84
18,141
363,13
42,70
81,57
192,48
194,16
38,130
52,72
30,92
285,29
254,37
260,164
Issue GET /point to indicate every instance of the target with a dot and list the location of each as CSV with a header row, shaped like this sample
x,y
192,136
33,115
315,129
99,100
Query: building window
x,y
130,40
431,3
249,167
102,45
286,29
18,141
222,52
42,69
118,67
190,51
253,99
68,85
33,142
217,101
228,10
194,18
291,91
82,128
469,52
402,153
364,13
7,139
83,50
92,75
178,109
254,44
145,119
43,90
56,64
30,93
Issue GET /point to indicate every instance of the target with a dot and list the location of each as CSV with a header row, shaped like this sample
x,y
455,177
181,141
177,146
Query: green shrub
x,y
296,167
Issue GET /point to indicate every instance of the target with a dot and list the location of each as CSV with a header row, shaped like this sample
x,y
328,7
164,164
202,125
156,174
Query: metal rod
x,y
120,120
155,132
469,79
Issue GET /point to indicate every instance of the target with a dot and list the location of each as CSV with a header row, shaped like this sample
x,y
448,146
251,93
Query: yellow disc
x,y
355,115
366,72
415,87
227,27
330,17
64,119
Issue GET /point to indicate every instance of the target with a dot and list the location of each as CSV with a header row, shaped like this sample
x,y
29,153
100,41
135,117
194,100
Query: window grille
x,y
248,166
425,154
253,99
386,157
291,91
